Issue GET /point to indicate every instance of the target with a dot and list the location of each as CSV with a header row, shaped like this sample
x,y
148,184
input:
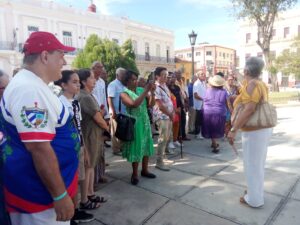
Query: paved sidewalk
x,y
204,188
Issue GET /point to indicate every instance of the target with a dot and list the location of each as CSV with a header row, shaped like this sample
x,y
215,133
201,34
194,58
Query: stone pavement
x,y
204,189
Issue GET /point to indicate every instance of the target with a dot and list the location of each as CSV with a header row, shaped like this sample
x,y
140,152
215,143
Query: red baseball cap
x,y
43,41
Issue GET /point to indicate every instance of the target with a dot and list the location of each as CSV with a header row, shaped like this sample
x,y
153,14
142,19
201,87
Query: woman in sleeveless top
x,y
254,141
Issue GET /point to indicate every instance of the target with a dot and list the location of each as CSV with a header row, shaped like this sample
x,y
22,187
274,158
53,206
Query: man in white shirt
x,y
114,89
100,88
199,89
41,137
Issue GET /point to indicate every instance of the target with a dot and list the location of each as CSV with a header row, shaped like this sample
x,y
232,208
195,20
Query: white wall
x,y
55,18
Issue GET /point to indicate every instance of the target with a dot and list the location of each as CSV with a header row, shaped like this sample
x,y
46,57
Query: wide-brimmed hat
x,y
216,81
44,41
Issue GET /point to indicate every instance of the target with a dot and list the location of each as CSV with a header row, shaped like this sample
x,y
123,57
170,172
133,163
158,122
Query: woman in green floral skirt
x,y
141,147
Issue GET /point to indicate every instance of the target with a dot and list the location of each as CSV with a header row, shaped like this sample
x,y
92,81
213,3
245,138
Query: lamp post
x,y
193,37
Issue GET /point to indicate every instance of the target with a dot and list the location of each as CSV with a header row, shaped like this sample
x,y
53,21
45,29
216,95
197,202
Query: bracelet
x,y
60,196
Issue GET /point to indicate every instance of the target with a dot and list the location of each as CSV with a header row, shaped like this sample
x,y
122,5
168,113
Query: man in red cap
x,y
41,151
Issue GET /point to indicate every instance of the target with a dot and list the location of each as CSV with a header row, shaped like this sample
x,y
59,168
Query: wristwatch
x,y
232,129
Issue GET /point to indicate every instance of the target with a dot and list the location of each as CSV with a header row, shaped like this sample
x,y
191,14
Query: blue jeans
x,y
4,217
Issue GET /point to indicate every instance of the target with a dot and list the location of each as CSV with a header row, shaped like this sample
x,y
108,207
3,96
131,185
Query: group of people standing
x,y
211,106
50,144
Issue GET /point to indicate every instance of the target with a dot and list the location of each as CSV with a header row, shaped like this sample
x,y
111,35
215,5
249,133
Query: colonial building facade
x,y
153,46
209,59
286,28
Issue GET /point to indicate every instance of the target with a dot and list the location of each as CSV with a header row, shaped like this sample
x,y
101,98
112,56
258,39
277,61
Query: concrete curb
x,y
289,104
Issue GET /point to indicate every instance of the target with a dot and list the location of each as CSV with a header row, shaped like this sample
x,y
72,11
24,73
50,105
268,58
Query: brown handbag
x,y
264,116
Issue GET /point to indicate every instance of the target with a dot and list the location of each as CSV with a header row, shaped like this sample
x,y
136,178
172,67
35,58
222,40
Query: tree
x,y
109,53
288,62
129,56
263,13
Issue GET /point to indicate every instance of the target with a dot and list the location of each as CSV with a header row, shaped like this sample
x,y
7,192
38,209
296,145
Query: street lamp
x,y
193,37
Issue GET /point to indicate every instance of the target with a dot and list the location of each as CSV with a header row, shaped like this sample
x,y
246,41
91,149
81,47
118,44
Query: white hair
x,y
254,66
120,71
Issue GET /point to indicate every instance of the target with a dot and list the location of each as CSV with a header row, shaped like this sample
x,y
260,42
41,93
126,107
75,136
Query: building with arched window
x,y
18,19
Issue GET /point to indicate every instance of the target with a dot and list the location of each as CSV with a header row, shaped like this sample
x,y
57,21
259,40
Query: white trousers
x,y
47,217
255,146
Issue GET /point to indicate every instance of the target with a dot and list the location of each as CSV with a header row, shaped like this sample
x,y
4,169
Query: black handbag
x,y
125,126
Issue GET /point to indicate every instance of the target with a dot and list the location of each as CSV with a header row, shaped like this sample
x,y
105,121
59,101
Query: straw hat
x,y
216,81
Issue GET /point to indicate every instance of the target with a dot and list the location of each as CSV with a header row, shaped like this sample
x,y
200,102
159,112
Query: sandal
x,y
103,180
97,199
89,205
215,148
243,201
214,145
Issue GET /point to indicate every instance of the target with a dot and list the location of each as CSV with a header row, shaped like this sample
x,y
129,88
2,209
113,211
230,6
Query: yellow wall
x,y
187,69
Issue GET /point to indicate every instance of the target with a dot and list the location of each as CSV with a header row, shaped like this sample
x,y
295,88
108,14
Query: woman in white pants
x,y
254,141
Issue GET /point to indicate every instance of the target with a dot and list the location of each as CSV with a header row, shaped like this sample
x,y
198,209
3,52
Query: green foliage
x,y
283,97
260,9
263,14
109,53
288,62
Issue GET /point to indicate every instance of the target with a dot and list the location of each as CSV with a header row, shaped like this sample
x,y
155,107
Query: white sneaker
x,y
162,166
199,136
171,145
177,143
168,162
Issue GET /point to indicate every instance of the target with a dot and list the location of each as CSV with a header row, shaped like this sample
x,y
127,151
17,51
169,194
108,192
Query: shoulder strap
x,y
120,104
163,90
262,99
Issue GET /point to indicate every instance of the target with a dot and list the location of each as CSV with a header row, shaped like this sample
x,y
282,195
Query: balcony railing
x,y
9,45
154,59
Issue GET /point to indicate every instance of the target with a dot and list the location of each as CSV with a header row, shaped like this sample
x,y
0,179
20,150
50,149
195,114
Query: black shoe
x,y
117,153
81,217
134,181
73,222
106,145
148,175
215,150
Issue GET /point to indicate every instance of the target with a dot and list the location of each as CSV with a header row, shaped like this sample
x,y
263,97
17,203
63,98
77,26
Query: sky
x,y
212,20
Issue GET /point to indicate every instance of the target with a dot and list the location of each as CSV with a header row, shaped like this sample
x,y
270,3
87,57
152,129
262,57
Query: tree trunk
x,y
268,62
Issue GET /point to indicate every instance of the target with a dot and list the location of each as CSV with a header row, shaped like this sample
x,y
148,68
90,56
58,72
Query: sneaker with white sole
x,y
178,144
162,166
171,145
167,161
81,216
199,136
